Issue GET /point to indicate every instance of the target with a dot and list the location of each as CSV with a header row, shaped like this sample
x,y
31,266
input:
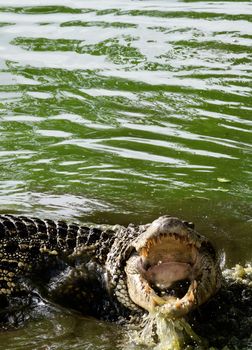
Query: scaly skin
x,y
107,271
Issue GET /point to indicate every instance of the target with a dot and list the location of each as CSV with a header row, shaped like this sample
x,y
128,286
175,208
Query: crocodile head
x,y
171,269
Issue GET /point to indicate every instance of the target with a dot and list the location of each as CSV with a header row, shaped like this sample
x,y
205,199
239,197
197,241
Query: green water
x,y
121,111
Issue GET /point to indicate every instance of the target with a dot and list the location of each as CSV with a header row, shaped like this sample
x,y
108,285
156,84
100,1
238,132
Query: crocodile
x,y
104,271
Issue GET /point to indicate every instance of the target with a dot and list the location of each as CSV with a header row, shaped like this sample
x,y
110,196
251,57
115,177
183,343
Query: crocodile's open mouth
x,y
172,269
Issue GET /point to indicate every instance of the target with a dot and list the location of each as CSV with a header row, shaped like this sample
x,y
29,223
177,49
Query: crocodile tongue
x,y
165,274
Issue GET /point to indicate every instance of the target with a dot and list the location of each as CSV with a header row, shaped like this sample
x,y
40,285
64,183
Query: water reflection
x,y
61,330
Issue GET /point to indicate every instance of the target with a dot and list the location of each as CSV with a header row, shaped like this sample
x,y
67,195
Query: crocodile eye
x,y
189,224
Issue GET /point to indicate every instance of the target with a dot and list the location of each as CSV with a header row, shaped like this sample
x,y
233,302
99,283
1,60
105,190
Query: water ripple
x,y
120,110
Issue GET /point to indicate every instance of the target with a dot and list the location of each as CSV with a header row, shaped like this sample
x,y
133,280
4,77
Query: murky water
x,y
119,111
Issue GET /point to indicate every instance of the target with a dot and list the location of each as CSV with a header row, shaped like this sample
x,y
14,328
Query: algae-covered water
x,y
119,111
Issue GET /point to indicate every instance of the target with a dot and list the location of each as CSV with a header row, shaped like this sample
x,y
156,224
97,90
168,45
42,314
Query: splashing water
x,y
157,332
160,333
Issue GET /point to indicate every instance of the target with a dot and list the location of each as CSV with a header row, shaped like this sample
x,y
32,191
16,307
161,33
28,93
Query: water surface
x,y
121,111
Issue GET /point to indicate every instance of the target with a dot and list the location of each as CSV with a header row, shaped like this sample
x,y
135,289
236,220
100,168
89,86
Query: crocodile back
x,y
29,244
